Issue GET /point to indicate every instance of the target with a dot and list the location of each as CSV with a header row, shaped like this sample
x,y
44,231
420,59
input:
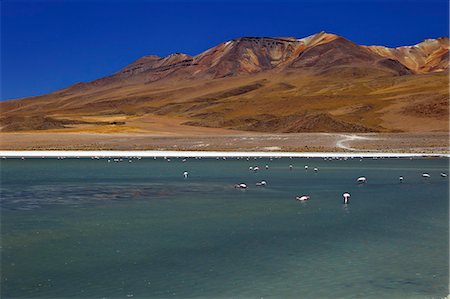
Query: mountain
x,y
430,55
321,83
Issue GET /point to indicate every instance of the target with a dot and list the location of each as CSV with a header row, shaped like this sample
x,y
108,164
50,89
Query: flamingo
x,y
240,186
346,196
361,180
302,198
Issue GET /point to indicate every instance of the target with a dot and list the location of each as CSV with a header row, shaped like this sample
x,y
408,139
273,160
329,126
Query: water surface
x,y
92,229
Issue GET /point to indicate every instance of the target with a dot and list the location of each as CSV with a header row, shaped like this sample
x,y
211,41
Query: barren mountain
x,y
428,56
321,83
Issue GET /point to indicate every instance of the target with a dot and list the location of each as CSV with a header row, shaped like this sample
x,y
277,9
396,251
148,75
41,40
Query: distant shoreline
x,y
208,154
417,143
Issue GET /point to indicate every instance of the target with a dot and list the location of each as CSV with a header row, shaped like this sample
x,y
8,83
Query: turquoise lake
x,y
82,228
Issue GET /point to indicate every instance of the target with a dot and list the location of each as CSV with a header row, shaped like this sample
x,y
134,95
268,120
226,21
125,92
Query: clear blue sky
x,y
48,45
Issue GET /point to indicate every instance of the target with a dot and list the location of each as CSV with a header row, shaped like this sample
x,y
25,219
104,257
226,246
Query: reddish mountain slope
x,y
321,83
430,55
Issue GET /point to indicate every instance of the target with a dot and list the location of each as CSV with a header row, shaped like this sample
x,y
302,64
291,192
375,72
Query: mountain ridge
x,y
163,67
319,83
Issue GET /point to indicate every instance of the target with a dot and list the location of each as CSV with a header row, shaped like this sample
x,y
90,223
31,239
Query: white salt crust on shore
x,y
206,154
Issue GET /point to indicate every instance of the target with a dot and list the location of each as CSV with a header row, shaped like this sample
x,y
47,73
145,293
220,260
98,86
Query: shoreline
x,y
210,154
420,143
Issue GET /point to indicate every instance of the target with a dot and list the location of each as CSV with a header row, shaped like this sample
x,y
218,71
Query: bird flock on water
x,y
302,198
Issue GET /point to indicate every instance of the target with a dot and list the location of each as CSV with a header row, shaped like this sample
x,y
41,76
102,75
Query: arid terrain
x,y
287,93
430,143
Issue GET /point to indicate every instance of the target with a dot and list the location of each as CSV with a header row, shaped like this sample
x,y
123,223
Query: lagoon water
x,y
92,229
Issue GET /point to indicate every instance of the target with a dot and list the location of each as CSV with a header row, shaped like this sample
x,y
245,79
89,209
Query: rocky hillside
x,y
321,83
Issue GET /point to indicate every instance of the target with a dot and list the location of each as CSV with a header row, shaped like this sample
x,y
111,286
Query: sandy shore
x,y
204,154
246,142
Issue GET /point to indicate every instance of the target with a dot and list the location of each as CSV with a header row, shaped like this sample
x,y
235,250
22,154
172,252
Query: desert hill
x,y
321,83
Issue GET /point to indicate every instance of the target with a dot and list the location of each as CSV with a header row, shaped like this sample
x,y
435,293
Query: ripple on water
x,y
35,196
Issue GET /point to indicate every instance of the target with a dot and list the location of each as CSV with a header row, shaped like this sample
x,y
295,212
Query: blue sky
x,y
48,45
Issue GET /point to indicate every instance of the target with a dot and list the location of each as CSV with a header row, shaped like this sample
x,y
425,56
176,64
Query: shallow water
x,y
93,229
